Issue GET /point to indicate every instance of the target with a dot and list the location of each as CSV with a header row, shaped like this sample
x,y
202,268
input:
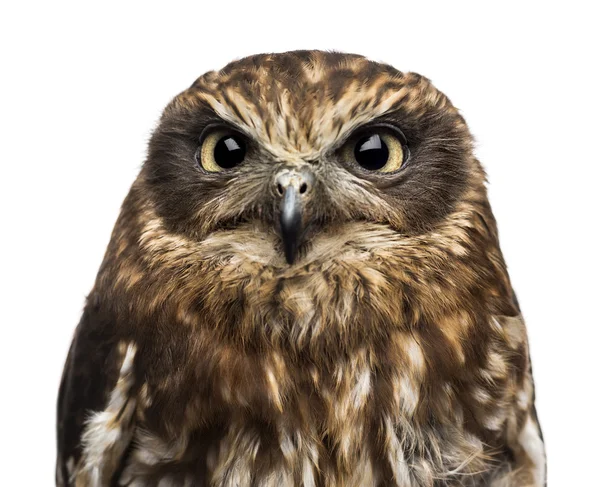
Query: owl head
x,y
304,147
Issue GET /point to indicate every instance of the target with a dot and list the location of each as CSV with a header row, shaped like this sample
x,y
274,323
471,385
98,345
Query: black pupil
x,y
229,151
371,152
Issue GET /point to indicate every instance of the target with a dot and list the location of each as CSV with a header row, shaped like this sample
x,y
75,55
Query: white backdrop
x,y
82,85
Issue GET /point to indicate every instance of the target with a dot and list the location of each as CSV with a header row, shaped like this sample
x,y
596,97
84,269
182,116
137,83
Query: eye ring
x,y
221,149
380,148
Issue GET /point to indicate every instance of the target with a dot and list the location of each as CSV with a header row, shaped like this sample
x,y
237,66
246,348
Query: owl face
x,y
300,145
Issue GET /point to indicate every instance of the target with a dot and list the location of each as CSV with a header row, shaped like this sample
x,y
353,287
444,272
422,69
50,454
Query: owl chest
x,y
358,426
316,432
281,421
344,401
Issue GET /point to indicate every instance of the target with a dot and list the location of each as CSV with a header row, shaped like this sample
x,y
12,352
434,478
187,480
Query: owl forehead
x,y
300,106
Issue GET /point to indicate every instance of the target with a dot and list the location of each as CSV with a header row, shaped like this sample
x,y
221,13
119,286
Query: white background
x,y
82,85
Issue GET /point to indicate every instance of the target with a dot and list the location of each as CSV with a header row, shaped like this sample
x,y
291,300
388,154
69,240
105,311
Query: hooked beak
x,y
291,222
294,186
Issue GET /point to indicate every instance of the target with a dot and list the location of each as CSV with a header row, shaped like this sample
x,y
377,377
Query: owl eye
x,y
221,149
380,150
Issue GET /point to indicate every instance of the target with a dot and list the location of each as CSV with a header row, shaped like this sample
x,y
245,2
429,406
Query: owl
x,y
305,288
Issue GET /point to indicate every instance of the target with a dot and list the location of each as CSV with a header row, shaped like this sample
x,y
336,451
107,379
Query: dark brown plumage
x,y
306,316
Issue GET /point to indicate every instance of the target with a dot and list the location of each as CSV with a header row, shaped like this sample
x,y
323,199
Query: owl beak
x,y
291,223
294,186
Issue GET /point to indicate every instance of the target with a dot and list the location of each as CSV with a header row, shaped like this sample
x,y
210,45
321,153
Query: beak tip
x,y
290,254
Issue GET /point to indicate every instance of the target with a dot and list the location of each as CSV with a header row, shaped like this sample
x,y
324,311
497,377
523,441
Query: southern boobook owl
x,y
304,288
